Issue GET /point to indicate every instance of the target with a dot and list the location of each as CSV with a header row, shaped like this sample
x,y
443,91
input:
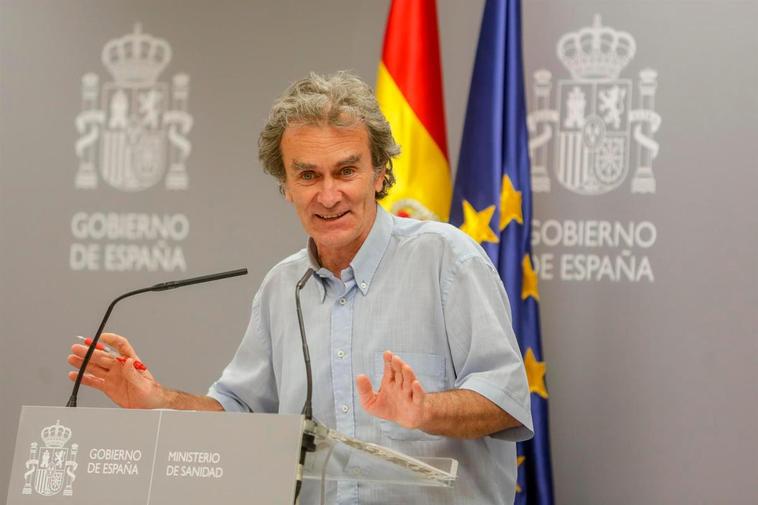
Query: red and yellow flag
x,y
409,91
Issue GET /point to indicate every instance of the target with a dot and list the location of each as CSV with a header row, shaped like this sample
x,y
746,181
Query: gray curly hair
x,y
339,99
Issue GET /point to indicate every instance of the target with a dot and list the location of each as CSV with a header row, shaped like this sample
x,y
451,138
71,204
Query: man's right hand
x,y
123,379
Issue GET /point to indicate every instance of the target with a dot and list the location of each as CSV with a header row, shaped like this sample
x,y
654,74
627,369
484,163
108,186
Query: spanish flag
x,y
409,91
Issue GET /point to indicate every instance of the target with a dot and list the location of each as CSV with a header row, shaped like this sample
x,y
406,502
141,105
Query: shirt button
x,y
340,354
345,409
343,301
364,285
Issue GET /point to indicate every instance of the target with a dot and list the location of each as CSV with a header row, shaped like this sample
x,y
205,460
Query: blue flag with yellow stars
x,y
492,202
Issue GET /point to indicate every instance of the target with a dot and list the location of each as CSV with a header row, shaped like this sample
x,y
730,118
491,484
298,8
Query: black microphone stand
x,y
163,286
309,442
91,350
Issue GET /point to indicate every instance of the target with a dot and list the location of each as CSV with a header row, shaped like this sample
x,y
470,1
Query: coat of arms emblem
x,y
50,467
135,127
595,122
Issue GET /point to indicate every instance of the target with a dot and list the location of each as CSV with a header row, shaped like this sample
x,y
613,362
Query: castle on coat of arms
x,y
593,136
133,129
51,466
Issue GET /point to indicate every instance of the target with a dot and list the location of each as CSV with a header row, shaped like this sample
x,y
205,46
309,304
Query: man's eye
x,y
307,176
347,171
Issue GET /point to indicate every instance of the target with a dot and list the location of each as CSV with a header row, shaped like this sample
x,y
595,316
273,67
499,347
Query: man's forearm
x,y
462,413
180,400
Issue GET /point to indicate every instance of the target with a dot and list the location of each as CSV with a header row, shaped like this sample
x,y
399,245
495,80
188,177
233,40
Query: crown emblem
x,y
55,436
596,52
137,59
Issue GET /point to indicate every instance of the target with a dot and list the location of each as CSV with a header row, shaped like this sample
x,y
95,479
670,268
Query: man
x,y
452,382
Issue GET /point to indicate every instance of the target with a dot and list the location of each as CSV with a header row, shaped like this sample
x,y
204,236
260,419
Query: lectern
x,y
92,456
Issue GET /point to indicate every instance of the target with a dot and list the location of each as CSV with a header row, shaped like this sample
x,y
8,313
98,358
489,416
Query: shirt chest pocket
x,y
430,372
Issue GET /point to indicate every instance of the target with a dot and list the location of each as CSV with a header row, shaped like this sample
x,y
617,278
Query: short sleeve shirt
x,y
423,290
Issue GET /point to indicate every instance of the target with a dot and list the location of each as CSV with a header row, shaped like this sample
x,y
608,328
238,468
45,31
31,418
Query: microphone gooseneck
x,y
156,287
309,442
307,407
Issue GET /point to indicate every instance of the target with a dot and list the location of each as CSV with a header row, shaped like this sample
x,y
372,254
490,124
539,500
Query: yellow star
x,y
510,204
529,279
535,373
477,224
519,460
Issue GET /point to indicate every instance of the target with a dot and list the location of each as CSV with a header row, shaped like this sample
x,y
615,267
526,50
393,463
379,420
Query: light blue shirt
x,y
423,290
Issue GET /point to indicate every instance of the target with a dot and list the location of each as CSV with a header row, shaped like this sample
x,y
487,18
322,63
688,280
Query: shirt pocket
x,y
430,372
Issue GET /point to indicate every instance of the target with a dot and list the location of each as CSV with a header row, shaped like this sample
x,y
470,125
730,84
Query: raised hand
x,y
400,398
124,379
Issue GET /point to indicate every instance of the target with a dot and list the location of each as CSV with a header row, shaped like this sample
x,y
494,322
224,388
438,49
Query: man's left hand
x,y
400,398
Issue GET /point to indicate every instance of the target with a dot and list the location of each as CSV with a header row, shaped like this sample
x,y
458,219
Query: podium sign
x,y
88,456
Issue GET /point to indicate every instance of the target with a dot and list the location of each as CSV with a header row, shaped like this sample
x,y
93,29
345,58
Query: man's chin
x,y
334,240
331,240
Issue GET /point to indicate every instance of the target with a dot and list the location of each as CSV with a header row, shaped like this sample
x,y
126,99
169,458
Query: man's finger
x,y
397,368
389,373
119,343
79,350
100,358
365,389
76,362
408,376
89,380
399,379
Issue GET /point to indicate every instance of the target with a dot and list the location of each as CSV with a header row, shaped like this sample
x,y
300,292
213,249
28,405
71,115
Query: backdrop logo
x,y
133,136
595,138
599,136
50,467
134,128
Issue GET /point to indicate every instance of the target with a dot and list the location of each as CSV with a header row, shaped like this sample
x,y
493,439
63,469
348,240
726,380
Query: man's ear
x,y
379,179
285,192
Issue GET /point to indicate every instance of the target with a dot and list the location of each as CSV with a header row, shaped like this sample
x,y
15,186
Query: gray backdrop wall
x,y
648,273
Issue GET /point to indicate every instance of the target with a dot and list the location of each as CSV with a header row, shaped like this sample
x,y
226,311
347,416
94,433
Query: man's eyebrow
x,y
301,165
352,159
349,160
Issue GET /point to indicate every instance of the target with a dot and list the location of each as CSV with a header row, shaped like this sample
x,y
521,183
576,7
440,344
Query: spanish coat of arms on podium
x,y
51,466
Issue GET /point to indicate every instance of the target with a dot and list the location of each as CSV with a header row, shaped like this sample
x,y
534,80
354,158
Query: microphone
x,y
309,442
163,286
156,287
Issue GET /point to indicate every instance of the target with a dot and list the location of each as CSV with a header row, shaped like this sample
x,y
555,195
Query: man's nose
x,y
329,194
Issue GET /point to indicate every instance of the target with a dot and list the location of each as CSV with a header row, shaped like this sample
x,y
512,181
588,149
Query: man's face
x,y
331,182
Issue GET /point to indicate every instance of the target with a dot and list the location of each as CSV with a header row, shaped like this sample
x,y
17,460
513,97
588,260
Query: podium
x,y
91,456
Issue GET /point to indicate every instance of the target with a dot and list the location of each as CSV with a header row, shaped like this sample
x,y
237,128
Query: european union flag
x,y
492,202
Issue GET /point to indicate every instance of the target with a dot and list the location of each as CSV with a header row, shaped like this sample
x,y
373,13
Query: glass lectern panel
x,y
340,457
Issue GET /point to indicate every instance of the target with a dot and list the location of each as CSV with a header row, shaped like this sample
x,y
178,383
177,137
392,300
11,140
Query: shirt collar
x,y
320,271
366,261
372,251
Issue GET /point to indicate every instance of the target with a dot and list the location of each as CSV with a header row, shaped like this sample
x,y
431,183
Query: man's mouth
x,y
331,217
